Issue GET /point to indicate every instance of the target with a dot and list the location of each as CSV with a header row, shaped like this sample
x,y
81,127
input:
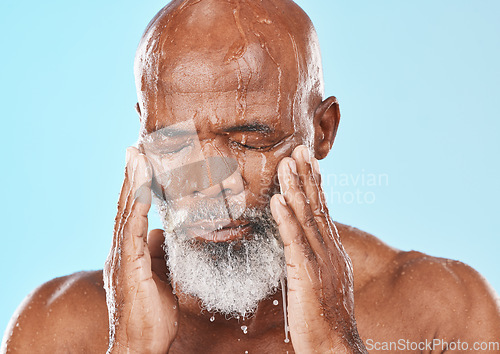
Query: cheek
x,y
259,172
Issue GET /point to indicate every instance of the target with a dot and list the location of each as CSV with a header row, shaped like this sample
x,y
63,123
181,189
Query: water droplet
x,y
174,307
212,318
283,294
244,329
275,302
246,351
175,323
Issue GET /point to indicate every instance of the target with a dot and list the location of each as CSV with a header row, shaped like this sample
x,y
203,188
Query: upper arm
x,y
475,314
61,315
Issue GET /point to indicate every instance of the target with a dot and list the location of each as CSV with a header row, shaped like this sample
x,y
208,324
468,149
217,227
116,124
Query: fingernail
x,y
292,166
315,166
142,169
306,155
142,180
279,212
147,166
131,162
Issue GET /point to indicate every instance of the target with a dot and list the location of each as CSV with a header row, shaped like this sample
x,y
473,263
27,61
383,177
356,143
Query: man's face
x,y
217,120
212,119
215,132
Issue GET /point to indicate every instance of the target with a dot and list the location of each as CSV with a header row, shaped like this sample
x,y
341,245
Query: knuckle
x,y
137,257
320,213
309,219
317,179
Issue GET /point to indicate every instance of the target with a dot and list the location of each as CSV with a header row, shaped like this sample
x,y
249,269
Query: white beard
x,y
228,277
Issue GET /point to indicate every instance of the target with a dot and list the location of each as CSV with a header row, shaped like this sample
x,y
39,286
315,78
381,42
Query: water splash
x,y
285,316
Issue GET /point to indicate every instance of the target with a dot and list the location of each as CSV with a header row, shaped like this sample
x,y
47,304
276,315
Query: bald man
x,y
233,123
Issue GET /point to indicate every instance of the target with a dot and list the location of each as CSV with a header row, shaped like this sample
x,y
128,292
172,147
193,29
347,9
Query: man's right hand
x,y
143,312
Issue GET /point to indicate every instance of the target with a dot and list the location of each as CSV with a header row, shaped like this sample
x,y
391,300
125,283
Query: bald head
x,y
238,46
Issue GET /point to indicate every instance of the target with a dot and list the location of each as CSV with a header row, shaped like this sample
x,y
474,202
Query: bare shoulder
x,y
427,294
454,296
65,314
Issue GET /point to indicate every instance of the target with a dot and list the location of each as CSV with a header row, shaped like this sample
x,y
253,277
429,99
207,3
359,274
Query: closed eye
x,y
256,147
172,150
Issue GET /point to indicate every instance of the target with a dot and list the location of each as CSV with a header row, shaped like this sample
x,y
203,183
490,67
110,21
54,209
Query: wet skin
x,y
258,102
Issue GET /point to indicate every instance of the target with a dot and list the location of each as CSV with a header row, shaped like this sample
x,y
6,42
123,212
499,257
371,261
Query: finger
x,y
310,181
298,203
114,257
136,208
158,260
155,243
128,253
130,262
131,156
298,253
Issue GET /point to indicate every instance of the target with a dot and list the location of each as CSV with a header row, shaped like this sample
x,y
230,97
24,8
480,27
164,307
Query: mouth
x,y
218,230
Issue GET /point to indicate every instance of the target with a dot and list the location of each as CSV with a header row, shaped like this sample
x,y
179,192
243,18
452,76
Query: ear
x,y
326,123
138,110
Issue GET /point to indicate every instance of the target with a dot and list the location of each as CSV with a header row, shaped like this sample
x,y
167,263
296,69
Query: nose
x,y
213,177
221,173
229,186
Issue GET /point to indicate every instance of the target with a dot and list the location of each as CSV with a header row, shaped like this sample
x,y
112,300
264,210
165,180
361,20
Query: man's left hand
x,y
319,271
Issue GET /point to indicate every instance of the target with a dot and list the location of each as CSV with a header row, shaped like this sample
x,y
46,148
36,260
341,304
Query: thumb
x,y
156,238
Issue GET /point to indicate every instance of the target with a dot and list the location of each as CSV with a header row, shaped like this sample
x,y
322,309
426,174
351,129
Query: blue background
x,y
418,83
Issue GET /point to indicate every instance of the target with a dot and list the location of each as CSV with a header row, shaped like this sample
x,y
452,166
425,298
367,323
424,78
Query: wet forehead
x,y
205,86
206,70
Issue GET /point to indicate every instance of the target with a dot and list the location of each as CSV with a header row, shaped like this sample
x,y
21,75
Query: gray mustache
x,y
215,209
205,210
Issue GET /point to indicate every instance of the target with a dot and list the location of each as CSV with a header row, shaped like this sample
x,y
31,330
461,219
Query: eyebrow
x,y
252,127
